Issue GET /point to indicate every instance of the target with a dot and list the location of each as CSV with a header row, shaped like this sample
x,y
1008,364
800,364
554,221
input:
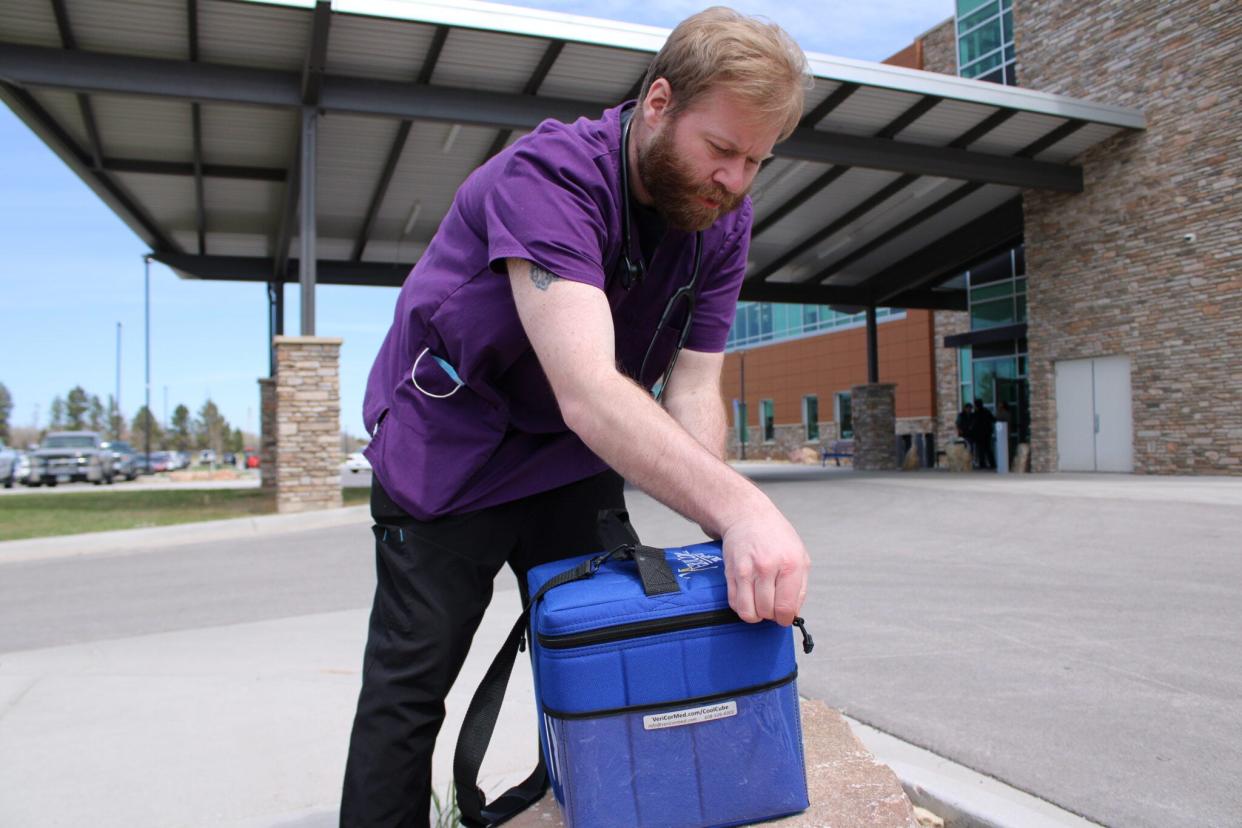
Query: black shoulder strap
x,y
621,542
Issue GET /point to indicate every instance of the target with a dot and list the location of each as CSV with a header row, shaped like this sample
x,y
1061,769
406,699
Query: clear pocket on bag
x,y
725,760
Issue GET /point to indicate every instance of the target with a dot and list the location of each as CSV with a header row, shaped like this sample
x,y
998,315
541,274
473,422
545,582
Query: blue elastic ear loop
x,y
448,369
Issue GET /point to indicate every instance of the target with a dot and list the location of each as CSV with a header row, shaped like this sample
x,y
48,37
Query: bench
x,y
839,449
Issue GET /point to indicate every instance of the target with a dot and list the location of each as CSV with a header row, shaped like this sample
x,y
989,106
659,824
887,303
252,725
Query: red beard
x,y
677,196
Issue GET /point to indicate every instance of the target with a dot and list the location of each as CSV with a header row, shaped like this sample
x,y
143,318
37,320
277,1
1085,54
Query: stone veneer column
x,y
948,374
308,415
267,434
874,409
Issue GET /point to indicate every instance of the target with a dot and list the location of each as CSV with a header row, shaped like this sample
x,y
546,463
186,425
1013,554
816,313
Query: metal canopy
x,y
189,117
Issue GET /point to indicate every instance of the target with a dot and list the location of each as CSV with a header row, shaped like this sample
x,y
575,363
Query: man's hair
x,y
754,58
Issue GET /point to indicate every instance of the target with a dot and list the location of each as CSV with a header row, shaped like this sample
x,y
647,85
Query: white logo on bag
x,y
689,716
695,561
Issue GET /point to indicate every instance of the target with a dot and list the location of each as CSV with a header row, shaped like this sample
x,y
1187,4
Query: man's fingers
x,y
765,595
789,594
742,599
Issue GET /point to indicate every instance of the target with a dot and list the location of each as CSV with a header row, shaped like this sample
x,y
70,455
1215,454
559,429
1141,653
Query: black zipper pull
x,y
808,643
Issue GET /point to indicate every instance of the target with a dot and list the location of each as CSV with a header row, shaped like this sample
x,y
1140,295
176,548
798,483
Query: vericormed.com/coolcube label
x,y
689,716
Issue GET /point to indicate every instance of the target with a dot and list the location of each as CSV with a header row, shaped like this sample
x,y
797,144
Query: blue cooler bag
x,y
657,705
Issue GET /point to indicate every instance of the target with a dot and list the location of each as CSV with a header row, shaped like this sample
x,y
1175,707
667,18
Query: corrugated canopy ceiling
x,y
184,116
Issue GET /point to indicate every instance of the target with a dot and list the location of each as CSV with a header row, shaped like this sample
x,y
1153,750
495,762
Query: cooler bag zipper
x,y
657,626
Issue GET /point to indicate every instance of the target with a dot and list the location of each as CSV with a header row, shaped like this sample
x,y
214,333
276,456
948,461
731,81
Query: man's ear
x,y
657,104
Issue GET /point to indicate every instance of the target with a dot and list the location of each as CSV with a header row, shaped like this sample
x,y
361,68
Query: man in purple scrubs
x,y
533,364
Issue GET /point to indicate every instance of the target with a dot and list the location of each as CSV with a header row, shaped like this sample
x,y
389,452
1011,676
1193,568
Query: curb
x,y
155,538
963,798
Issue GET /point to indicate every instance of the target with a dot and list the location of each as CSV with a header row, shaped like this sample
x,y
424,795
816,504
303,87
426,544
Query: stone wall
x,y
267,434
948,374
940,48
1110,270
308,405
875,426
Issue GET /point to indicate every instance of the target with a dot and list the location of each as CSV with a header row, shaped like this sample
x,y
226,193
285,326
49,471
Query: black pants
x,y
433,582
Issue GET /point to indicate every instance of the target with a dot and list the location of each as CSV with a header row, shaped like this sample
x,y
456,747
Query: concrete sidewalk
x,y
1072,635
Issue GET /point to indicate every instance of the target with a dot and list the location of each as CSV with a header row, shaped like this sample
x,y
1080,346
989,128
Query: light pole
x,y
745,415
146,292
116,401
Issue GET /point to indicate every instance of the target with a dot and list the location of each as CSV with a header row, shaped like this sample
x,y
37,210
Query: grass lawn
x,y
71,513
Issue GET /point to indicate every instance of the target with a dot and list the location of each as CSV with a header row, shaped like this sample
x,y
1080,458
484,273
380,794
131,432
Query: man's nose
x,y
732,175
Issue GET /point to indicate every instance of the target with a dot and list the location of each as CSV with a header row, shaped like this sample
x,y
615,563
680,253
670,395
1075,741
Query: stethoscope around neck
x,y
631,272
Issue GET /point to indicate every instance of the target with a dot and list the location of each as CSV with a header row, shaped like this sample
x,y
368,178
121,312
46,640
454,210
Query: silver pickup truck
x,y
67,456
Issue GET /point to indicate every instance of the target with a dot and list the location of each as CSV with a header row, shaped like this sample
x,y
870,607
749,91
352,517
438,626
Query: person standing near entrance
x,y
564,331
983,427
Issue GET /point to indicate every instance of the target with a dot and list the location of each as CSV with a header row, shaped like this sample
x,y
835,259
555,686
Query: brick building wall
x,y
1109,270
825,365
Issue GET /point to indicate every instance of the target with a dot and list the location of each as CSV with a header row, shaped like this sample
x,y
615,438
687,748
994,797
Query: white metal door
x,y
1075,416
1114,428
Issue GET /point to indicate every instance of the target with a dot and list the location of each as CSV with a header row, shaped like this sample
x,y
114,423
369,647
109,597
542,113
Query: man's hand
x,y
766,566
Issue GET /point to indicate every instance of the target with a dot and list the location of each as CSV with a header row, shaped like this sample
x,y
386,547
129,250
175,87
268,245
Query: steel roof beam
x,y
196,123
889,130
988,234
962,141
261,269
839,295
532,88
398,146
308,92
42,66
54,135
185,168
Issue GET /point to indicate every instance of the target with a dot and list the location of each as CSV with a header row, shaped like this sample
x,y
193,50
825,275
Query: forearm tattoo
x,y
543,279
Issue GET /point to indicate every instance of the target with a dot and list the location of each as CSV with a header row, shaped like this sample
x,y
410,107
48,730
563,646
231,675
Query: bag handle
x,y
616,533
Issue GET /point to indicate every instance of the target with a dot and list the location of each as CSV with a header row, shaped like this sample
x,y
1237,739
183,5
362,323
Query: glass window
x,y
1021,308
963,361
765,319
965,24
845,419
991,314
810,416
767,420
965,7
1007,31
994,291
979,42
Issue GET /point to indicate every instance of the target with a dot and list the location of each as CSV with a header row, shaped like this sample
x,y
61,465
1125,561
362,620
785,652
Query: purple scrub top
x,y
460,412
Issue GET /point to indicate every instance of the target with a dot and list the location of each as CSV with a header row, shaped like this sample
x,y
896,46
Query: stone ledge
x,y
847,785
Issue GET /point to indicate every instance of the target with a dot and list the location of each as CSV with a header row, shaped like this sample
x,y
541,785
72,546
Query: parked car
x,y
66,456
124,460
8,465
230,459
252,458
357,462
159,461
206,456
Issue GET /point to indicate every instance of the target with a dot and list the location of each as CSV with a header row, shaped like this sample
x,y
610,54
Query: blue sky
x,y
71,270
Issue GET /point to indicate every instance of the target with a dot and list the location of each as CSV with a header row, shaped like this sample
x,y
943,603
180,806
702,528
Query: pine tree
x,y
76,406
180,436
138,431
98,419
116,423
6,408
210,428
56,415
